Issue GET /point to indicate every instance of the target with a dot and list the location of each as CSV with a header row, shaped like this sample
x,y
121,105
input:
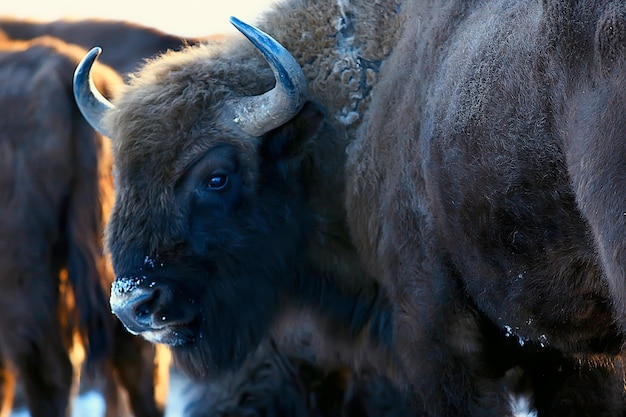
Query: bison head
x,y
208,229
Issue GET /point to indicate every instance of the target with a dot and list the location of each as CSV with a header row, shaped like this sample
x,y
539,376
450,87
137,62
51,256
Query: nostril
x,y
145,305
136,309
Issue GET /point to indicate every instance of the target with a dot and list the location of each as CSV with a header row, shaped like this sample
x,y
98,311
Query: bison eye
x,y
217,182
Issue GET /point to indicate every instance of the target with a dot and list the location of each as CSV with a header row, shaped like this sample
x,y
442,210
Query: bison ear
x,y
288,143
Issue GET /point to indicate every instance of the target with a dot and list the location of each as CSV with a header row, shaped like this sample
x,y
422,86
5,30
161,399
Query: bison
x,y
132,43
486,191
229,210
56,190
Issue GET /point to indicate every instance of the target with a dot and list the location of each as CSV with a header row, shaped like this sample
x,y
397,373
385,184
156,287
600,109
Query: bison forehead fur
x,y
165,117
214,269
487,191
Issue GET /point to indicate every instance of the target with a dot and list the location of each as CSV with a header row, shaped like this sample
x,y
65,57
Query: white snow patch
x,y
348,118
125,285
520,405
89,404
149,262
92,404
509,332
343,4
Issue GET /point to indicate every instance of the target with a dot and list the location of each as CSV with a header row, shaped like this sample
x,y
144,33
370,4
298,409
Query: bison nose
x,y
134,306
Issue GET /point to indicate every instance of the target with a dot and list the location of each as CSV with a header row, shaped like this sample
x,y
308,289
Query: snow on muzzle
x,y
143,307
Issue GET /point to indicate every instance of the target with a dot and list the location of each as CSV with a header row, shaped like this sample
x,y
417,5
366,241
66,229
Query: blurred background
x,y
187,18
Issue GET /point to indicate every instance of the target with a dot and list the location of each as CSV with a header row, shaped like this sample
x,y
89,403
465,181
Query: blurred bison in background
x,y
56,190
131,42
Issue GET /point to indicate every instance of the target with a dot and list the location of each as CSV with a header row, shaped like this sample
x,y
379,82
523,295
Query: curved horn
x,y
91,103
257,115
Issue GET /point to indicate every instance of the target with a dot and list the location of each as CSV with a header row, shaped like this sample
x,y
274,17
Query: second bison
x,y
55,193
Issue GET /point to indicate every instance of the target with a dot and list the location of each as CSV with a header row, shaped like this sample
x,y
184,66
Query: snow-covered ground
x,y
91,403
520,406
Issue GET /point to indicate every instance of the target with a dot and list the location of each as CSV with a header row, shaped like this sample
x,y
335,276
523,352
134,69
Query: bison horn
x,y
257,115
91,103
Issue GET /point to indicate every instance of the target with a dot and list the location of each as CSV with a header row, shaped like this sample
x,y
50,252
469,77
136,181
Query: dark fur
x,y
132,43
218,268
275,382
55,192
487,191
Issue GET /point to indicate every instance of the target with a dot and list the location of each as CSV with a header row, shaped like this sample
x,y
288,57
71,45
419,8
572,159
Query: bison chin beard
x,y
195,361
209,356
230,327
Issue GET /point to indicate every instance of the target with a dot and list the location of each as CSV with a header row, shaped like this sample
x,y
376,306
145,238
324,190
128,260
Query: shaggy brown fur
x,y
222,267
55,192
487,191
132,43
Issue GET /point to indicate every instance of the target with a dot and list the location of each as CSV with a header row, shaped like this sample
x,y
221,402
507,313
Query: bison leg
x,y
447,369
7,389
47,373
135,363
35,343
